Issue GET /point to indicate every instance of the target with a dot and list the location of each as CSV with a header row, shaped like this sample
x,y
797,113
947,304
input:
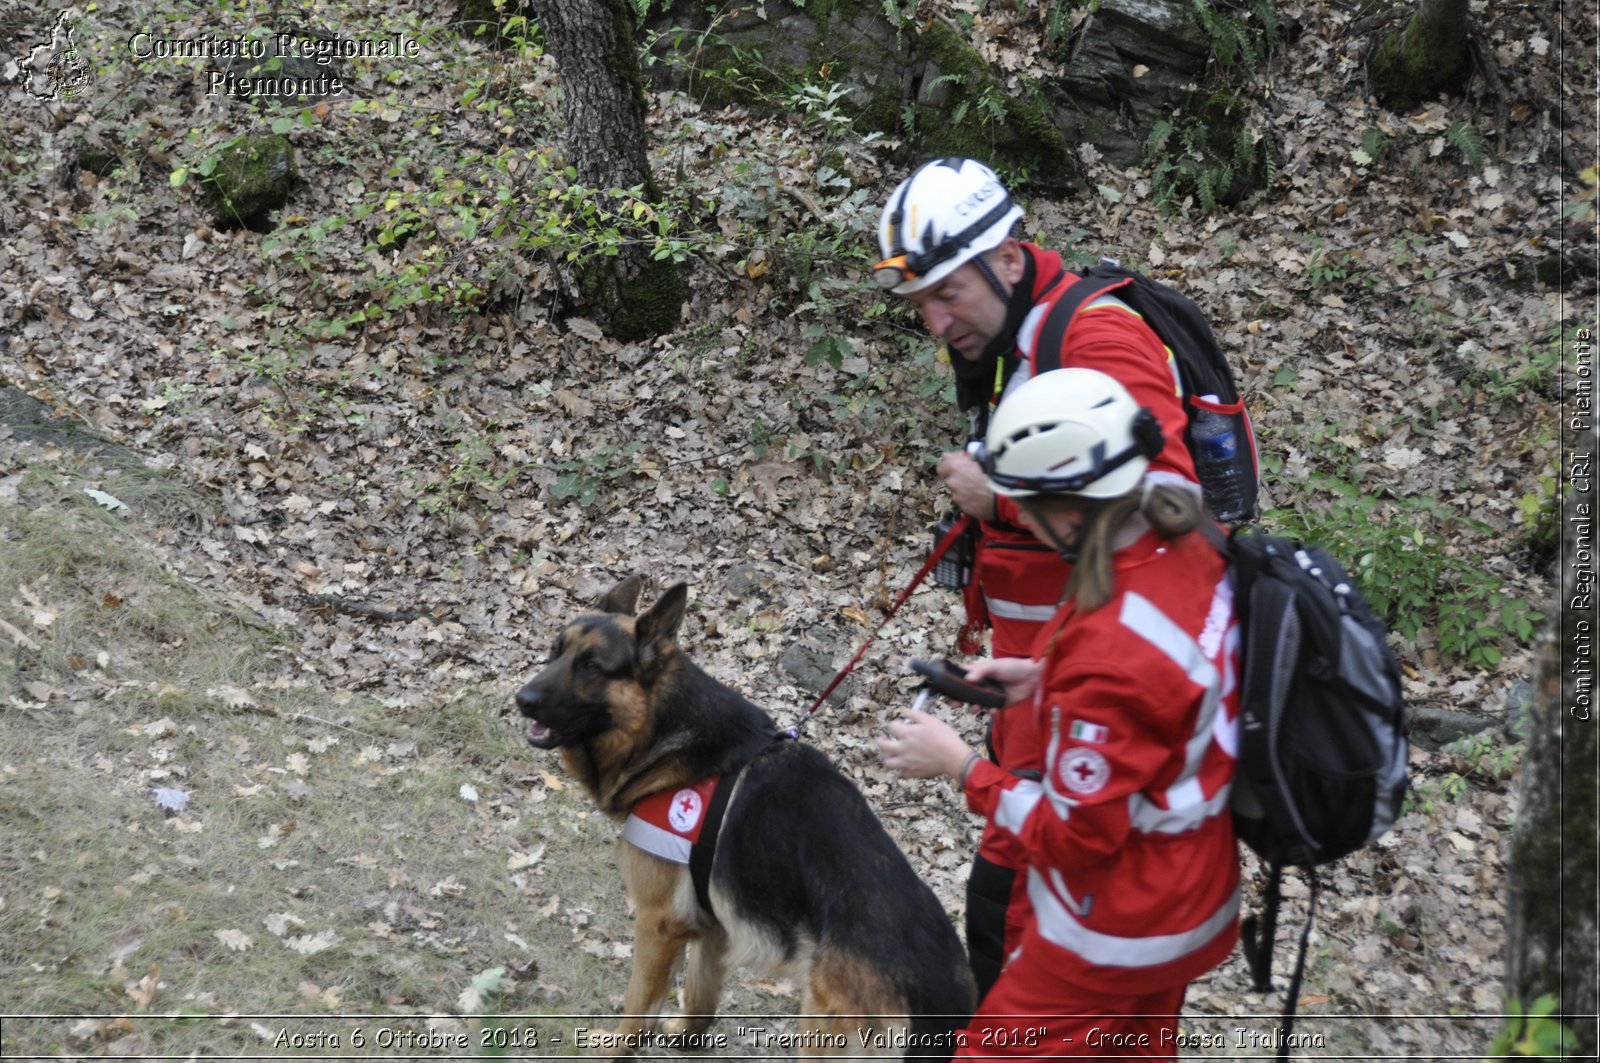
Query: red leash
x,y
939,551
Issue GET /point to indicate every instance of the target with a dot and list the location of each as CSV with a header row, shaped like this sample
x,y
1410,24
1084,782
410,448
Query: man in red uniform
x,y
1128,835
948,245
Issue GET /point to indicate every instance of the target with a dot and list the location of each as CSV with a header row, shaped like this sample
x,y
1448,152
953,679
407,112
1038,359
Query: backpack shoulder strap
x,y
1219,539
1258,933
1053,332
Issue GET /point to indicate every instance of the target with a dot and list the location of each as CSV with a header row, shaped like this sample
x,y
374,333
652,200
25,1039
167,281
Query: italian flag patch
x,y
1082,731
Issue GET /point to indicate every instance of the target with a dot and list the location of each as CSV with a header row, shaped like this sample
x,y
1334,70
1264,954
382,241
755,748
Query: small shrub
x,y
1534,1033
1411,570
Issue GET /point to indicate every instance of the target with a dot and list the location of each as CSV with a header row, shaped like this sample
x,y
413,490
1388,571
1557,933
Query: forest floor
x,y
270,573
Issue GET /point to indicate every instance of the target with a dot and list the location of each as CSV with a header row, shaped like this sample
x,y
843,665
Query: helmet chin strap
x,y
975,379
993,278
1068,552
1018,300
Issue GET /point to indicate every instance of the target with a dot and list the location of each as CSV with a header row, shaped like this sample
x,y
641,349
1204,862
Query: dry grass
x,y
352,863
327,858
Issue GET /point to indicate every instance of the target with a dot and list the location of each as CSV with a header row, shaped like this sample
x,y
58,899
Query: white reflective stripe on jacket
x,y
1059,924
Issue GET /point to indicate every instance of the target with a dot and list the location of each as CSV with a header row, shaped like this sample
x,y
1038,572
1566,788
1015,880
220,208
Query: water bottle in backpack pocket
x,y
1227,476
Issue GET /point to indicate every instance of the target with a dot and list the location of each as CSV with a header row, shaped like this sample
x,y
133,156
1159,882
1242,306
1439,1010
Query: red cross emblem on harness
x,y
687,807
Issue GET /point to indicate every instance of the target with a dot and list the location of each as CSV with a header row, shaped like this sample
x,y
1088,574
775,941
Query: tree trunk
x,y
603,106
1553,893
1426,57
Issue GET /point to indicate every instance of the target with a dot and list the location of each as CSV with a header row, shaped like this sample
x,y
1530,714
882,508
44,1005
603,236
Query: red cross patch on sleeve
x,y
1083,771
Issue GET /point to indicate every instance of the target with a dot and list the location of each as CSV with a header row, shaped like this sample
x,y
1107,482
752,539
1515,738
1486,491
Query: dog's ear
x,y
623,598
656,628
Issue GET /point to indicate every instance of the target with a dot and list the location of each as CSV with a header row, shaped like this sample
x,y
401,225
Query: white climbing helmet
x,y
944,215
1069,432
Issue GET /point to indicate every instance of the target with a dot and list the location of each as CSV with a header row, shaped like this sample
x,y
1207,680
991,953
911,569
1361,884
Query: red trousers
x,y
1031,1013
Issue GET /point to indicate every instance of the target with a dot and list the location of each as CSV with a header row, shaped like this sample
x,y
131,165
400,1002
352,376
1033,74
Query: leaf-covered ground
x,y
400,511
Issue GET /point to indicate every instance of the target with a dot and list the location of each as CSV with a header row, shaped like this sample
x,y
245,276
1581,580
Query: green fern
x,y
1466,140
1374,142
1269,158
1244,150
1058,25
1266,14
1234,39
1193,137
1159,134
1222,31
1211,184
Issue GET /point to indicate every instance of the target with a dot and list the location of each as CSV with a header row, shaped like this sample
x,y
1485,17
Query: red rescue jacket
x,y
1133,872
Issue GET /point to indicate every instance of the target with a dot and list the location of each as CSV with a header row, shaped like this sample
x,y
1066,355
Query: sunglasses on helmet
x,y
906,265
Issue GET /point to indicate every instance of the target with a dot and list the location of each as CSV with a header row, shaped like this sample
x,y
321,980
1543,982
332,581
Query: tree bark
x,y
603,107
1554,897
1429,55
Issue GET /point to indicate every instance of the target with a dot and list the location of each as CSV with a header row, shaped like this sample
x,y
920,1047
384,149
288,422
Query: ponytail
x,y
1173,510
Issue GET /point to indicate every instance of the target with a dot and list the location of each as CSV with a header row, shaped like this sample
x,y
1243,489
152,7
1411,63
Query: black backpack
x,y
1323,757
1219,435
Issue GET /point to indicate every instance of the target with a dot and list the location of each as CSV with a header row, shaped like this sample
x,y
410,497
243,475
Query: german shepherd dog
x,y
804,880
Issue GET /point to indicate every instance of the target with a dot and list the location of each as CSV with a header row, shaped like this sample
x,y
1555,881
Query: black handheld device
x,y
951,680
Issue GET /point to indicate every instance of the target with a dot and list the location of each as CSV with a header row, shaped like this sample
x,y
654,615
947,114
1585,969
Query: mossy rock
x,y
758,56
649,304
254,175
1424,59
1103,99
1013,134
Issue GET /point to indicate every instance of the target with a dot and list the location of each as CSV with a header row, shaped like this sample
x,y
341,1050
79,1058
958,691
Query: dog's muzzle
x,y
539,735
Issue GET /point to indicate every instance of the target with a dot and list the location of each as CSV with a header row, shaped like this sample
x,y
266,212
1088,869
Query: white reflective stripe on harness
x,y
1059,925
1006,610
657,841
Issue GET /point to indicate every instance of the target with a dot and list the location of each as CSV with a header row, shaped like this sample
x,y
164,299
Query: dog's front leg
x,y
702,986
656,952
660,935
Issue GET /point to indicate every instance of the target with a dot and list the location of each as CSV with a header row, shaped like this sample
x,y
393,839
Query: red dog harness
x,y
681,826
668,824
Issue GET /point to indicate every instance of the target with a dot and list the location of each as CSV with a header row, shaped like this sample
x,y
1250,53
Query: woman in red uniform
x,y
1132,868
